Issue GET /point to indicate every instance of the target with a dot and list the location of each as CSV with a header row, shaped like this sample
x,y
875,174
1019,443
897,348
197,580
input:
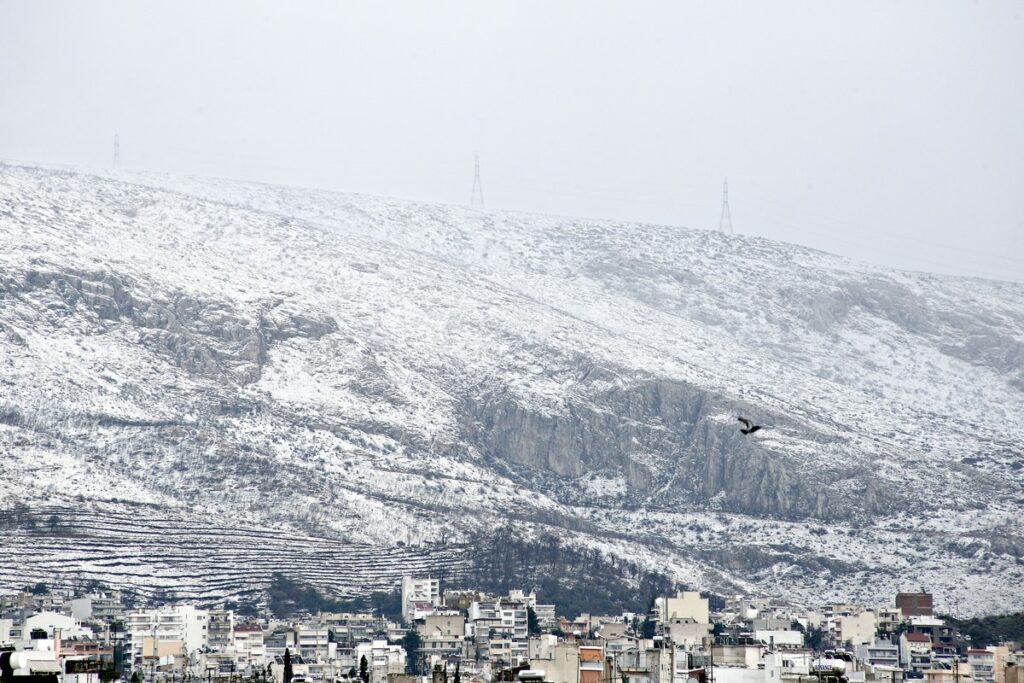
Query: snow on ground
x,y
303,360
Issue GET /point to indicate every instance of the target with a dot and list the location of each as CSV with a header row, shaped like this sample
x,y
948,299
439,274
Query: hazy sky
x,y
892,132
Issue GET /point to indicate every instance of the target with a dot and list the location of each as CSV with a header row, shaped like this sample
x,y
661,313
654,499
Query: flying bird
x,y
748,426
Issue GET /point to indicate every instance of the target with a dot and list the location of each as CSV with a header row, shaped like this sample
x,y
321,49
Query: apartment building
x,y
221,624
880,653
686,605
916,652
915,604
419,597
592,664
983,664
247,640
312,641
156,630
382,659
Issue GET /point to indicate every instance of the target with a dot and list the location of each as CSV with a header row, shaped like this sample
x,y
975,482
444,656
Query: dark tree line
x,y
286,597
992,629
576,579
381,602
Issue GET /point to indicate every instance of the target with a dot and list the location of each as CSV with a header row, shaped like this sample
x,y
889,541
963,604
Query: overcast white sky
x,y
892,132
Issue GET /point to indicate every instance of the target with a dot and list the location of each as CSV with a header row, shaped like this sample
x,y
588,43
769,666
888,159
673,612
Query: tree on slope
x,y
533,623
412,642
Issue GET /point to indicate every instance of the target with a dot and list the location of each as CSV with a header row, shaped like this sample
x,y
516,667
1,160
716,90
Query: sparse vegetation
x,y
992,629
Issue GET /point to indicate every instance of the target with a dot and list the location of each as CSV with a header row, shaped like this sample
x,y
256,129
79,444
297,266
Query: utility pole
x,y
711,661
476,199
117,152
726,219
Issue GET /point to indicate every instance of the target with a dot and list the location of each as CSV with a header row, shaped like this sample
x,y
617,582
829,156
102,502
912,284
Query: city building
x,y
382,659
443,636
851,630
546,618
419,597
983,664
247,640
558,661
686,605
102,608
915,604
786,638
53,623
916,652
221,624
685,631
165,631
880,653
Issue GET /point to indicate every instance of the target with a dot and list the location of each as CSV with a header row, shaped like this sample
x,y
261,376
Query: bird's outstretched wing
x,y
745,421
753,429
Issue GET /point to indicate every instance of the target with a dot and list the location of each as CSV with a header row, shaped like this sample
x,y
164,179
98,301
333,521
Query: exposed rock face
x,y
204,336
287,321
669,438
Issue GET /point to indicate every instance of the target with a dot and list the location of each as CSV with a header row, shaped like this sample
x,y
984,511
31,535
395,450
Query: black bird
x,y
748,426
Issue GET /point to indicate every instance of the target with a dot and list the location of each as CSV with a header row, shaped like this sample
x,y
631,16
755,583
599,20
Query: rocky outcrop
x,y
203,335
664,436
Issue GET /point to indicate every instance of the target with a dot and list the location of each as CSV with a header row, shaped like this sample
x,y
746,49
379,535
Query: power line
x,y
726,218
476,199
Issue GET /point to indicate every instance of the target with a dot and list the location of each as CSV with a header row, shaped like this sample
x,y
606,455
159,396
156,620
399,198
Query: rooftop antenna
x,y
726,219
117,151
476,199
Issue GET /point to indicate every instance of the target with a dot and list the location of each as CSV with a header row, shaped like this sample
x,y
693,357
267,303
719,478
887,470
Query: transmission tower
x,y
476,199
117,151
726,219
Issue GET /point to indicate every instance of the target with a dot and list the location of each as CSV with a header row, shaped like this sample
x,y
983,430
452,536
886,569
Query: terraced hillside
x,y
156,549
375,379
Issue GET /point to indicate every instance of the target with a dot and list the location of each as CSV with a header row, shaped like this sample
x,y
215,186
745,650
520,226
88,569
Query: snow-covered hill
x,y
379,377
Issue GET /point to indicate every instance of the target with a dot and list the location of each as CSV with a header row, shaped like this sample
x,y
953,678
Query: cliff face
x,y
205,336
673,448
390,379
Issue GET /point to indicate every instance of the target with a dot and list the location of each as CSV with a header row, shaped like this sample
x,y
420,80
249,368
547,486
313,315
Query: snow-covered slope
x,y
351,372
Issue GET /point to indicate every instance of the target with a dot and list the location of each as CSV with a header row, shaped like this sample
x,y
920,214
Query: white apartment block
x,y
686,605
856,629
181,623
419,597
381,659
312,642
983,664
52,623
880,653
545,616
500,630
247,640
97,608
